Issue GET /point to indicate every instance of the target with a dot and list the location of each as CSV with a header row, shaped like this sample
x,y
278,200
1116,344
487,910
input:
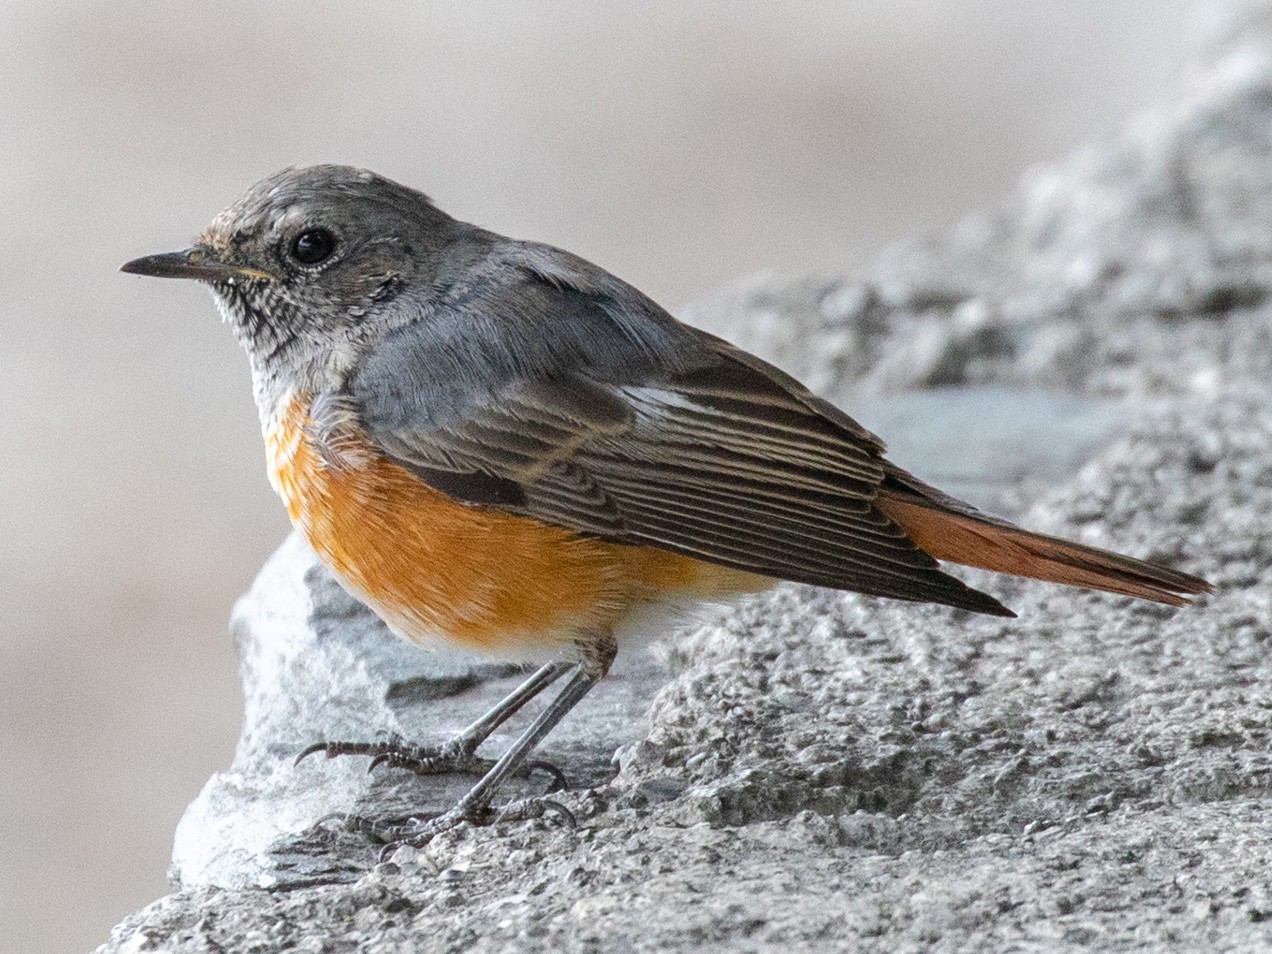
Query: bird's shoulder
x,y
505,314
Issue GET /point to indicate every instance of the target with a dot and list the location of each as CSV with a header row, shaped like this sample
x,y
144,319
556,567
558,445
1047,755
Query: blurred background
x,y
679,145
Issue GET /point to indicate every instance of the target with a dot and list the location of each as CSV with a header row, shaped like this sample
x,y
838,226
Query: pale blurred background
x,y
680,145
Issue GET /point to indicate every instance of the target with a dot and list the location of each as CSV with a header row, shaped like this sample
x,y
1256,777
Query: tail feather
x,y
977,540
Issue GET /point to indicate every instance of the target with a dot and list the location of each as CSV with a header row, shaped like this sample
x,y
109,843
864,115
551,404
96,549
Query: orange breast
x,y
434,568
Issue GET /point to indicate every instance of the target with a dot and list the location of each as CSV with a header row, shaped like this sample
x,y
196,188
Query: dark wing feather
x,y
723,458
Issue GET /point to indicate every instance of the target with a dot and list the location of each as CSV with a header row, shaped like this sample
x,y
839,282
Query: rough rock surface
x,y
823,772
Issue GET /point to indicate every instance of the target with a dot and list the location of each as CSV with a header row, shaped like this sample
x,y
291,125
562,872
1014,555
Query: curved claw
x,y
310,750
559,781
427,829
571,820
387,851
532,808
334,749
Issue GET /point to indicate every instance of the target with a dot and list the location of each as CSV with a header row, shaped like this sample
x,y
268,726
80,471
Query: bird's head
x,y
310,261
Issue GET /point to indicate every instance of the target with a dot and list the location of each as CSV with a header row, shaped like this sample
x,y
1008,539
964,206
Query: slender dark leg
x,y
456,755
479,796
474,807
479,731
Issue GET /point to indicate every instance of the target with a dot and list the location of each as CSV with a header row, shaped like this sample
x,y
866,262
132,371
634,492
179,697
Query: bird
x,y
497,445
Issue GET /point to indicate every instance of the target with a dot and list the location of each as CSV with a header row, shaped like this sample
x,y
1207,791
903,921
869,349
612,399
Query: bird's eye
x,y
313,246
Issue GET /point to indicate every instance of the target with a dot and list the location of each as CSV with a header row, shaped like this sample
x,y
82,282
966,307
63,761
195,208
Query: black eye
x,y
313,246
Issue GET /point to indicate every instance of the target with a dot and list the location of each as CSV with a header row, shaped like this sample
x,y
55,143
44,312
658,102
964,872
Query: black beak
x,y
197,262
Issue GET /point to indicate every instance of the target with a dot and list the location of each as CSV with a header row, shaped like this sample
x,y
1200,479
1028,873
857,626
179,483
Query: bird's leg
x,y
474,808
458,754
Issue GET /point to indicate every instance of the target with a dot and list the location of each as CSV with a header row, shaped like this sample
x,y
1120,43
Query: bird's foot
x,y
417,831
455,757
394,751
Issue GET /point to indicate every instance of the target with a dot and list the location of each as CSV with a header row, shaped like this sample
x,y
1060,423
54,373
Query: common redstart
x,y
498,445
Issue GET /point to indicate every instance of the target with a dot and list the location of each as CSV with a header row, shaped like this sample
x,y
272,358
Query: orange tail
x,y
992,545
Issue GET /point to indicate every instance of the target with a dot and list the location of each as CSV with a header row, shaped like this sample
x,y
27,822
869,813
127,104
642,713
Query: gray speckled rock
x,y
1137,267
824,772
318,665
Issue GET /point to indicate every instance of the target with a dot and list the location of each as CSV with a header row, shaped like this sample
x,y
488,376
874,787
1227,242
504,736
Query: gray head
x,y
310,259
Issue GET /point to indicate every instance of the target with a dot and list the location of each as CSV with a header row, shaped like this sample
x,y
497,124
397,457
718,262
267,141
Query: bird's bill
x,y
196,262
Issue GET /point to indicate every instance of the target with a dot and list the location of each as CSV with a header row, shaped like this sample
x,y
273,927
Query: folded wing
x,y
723,458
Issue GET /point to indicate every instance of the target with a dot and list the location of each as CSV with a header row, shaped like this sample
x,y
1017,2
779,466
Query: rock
x,y
317,665
1135,268
826,772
